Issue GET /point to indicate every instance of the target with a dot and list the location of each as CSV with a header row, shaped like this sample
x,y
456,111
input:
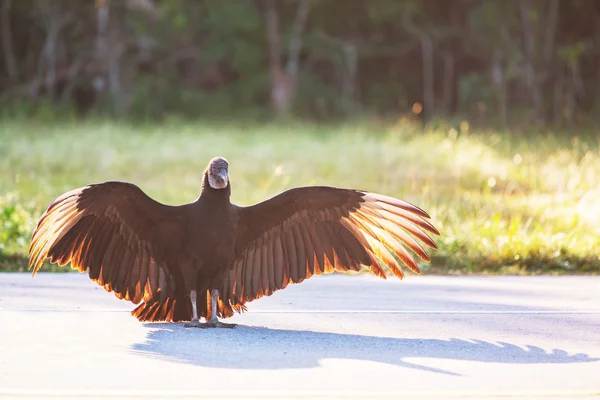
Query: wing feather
x,y
309,250
249,262
300,253
270,263
290,249
112,230
315,230
264,272
257,273
278,266
317,243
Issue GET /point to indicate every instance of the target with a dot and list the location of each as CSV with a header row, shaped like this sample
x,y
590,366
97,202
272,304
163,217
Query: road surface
x,y
62,336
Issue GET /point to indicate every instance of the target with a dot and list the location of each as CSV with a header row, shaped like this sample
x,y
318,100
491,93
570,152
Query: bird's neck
x,y
214,195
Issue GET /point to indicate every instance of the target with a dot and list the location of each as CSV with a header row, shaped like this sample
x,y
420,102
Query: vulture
x,y
208,258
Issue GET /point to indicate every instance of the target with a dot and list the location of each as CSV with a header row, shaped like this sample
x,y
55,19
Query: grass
x,y
505,202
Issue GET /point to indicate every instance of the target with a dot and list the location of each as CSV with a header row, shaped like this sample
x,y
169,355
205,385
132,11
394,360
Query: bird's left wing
x,y
316,230
113,230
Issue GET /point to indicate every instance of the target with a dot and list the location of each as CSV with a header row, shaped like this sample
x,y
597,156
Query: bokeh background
x,y
483,112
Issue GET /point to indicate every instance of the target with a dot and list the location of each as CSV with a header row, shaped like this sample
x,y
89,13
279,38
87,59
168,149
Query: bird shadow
x,y
250,347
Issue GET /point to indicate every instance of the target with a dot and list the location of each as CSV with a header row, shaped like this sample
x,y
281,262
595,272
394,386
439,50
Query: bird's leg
x,y
214,321
195,321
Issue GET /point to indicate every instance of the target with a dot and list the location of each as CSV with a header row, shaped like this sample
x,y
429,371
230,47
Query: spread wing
x,y
317,230
122,237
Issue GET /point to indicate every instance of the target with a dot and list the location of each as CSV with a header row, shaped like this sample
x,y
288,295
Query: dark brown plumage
x,y
217,254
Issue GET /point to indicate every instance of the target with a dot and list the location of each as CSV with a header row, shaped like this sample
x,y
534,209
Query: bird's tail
x,y
168,309
175,309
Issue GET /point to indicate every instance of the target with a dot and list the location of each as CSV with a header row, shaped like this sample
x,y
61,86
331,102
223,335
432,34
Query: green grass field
x,y
505,202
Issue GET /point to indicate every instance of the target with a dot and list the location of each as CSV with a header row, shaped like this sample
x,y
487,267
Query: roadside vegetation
x,y
517,202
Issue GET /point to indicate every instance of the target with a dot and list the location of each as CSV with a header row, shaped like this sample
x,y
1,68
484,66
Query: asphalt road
x,y
62,336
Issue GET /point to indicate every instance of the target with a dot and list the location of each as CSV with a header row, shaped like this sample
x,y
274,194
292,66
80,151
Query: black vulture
x,y
210,257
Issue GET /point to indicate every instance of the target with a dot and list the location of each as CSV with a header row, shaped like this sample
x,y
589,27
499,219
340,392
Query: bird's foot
x,y
215,323
209,324
194,324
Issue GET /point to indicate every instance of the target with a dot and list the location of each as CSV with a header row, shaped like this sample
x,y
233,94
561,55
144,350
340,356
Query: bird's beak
x,y
223,175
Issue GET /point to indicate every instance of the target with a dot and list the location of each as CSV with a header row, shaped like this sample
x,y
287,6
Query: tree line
x,y
491,60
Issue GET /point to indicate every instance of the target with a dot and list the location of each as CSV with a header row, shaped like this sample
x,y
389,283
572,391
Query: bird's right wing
x,y
315,230
122,237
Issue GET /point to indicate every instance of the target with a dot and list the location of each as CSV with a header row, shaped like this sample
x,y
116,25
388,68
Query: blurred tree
x,y
495,60
283,81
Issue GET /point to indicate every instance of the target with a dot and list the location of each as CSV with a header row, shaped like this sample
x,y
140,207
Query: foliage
x,y
498,61
505,202
16,225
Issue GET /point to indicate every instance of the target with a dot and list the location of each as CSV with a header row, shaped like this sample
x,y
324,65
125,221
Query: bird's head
x,y
217,173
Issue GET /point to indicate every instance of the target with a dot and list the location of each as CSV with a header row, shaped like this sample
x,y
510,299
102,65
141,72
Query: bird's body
x,y
208,243
210,257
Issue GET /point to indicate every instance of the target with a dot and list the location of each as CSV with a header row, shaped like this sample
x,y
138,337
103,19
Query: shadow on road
x,y
263,348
